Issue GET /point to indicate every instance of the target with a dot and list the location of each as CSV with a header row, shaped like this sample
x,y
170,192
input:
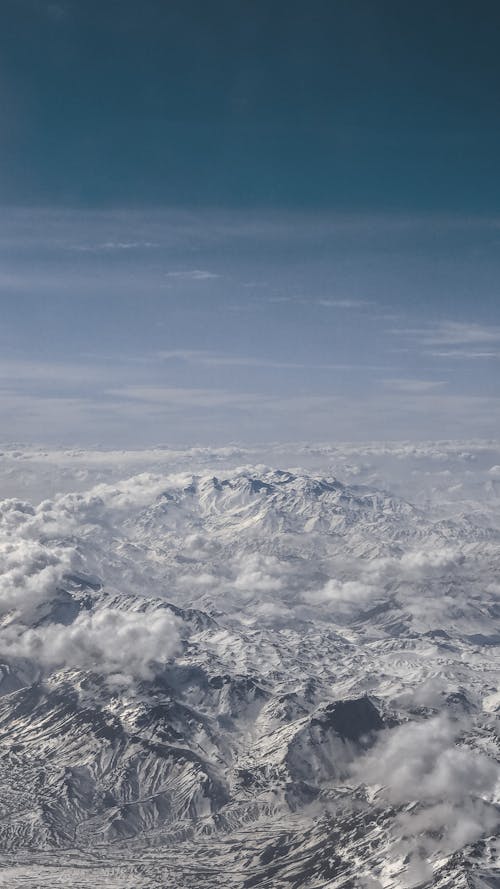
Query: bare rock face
x,y
353,720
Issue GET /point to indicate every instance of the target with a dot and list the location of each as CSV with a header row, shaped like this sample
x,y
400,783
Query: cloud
x,y
40,546
459,335
59,373
131,644
215,359
261,574
423,762
134,414
417,564
462,333
419,872
322,302
30,572
466,354
187,397
414,386
347,594
419,761
341,303
109,246
192,275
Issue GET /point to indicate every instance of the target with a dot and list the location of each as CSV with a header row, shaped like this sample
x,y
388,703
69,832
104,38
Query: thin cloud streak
x,y
414,386
192,275
108,246
213,359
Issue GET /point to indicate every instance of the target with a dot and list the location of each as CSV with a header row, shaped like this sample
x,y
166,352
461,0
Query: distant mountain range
x,y
249,677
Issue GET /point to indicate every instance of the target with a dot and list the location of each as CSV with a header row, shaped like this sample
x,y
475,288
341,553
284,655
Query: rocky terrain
x,y
215,672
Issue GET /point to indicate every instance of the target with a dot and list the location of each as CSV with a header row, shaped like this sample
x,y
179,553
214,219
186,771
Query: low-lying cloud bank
x,y
445,789
129,644
215,543
40,548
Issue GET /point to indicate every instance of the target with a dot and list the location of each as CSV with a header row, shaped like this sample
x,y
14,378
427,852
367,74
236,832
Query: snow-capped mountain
x,y
250,676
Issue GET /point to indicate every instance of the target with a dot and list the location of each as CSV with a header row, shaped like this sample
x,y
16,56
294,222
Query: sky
x,y
249,221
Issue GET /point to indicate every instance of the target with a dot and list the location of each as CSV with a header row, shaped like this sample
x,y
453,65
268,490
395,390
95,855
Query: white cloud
x,y
349,593
192,275
108,246
40,546
258,573
419,873
215,359
461,333
185,397
422,762
421,563
414,386
466,354
465,339
30,571
130,644
341,303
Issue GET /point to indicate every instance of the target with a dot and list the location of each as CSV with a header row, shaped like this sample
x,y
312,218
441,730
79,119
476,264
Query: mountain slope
x,y
265,676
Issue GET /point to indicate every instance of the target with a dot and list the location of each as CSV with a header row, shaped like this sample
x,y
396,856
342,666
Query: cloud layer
x,y
133,645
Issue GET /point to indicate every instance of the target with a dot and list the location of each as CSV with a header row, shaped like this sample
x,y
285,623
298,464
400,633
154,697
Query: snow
x,y
275,667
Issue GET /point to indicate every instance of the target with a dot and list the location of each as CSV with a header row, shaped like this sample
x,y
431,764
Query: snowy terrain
x,y
250,667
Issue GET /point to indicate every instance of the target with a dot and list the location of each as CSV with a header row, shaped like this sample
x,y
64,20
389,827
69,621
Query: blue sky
x,y
274,221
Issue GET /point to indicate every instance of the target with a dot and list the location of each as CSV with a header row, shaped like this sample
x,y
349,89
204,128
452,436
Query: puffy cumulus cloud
x,y
422,762
40,546
456,826
101,505
370,580
429,693
126,643
137,491
73,532
198,547
419,564
29,572
258,573
14,513
414,565
347,594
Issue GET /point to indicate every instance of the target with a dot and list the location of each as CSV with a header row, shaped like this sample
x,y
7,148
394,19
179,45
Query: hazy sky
x,y
249,220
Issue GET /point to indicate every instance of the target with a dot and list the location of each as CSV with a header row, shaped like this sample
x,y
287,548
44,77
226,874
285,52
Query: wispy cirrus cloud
x,y
133,414
451,333
192,275
186,397
456,333
467,354
217,359
322,302
109,246
414,386
456,340
342,303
